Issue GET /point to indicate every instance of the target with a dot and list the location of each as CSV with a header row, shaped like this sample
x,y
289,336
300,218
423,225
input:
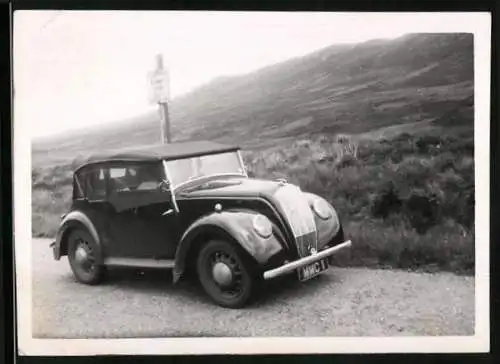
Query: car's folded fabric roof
x,y
156,152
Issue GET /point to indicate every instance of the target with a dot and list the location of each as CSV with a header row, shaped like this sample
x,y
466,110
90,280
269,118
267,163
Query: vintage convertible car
x,y
191,207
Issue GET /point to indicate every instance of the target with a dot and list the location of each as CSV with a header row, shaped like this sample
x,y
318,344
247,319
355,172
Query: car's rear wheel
x,y
225,274
82,253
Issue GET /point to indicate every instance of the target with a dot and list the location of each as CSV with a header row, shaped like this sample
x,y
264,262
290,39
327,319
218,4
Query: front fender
x,y
328,229
238,225
72,220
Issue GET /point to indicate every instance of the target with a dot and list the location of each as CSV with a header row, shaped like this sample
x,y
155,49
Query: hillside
x,y
340,89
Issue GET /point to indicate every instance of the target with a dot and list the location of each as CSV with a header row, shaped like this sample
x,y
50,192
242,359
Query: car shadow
x,y
284,289
159,282
154,281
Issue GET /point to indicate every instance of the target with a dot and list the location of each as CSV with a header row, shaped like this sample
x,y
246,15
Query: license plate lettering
x,y
312,270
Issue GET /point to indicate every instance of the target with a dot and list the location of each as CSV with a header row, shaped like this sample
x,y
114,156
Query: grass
x,y
407,200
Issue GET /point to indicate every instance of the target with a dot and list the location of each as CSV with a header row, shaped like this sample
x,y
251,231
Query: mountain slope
x,y
343,88
340,85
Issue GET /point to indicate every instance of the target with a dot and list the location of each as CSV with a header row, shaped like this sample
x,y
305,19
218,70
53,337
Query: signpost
x,y
160,94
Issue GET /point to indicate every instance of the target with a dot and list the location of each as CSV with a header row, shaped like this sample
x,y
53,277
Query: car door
x,y
140,224
91,197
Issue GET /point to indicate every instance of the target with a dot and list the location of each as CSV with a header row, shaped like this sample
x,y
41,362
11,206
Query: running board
x,y
140,263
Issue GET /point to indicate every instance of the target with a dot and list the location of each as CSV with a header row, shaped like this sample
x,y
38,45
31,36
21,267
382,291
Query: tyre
x,y
82,253
225,274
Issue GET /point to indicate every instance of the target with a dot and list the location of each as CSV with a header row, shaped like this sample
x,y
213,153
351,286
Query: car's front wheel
x,y
225,274
82,252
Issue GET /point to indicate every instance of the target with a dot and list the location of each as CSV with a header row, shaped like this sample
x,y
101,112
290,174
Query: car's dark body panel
x,y
240,193
171,223
180,207
140,232
143,231
254,195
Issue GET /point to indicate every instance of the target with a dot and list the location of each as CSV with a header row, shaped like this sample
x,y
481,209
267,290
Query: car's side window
x,y
150,177
95,184
120,179
134,178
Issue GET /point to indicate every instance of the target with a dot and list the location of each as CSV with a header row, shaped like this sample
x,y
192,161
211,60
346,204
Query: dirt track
x,y
342,302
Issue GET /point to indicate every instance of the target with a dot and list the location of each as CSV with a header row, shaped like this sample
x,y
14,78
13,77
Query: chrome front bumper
x,y
284,269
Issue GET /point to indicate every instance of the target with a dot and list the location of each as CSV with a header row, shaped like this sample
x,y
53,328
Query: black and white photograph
x,y
202,182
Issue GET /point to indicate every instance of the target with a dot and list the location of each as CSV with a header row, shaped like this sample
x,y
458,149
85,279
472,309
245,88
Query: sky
x,y
80,68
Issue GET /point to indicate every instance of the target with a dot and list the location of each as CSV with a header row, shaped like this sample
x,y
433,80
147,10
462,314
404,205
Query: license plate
x,y
312,270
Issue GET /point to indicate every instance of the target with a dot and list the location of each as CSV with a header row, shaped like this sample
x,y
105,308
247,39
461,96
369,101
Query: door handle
x,y
168,212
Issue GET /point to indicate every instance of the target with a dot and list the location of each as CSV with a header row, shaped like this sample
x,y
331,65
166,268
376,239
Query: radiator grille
x,y
300,217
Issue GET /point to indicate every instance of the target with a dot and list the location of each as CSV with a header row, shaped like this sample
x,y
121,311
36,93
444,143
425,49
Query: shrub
x,y
403,137
426,143
447,247
343,139
421,211
386,202
347,160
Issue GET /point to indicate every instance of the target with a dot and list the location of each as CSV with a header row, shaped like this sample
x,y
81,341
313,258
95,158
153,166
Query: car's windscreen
x,y
183,170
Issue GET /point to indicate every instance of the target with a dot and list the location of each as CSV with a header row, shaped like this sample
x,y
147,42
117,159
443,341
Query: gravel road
x,y
341,302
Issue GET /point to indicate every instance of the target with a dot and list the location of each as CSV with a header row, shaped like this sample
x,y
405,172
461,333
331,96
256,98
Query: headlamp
x,y
322,209
262,226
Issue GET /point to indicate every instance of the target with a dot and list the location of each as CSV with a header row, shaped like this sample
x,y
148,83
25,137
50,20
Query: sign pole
x,y
162,100
166,134
162,123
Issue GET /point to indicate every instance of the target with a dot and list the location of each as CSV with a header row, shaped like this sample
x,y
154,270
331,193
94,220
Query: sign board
x,y
159,89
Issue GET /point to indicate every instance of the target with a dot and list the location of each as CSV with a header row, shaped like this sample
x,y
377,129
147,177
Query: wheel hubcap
x,y
226,274
81,254
84,257
222,274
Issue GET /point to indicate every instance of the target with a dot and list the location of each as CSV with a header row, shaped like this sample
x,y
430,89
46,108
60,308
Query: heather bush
x,y
50,197
387,202
447,246
399,192
421,211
